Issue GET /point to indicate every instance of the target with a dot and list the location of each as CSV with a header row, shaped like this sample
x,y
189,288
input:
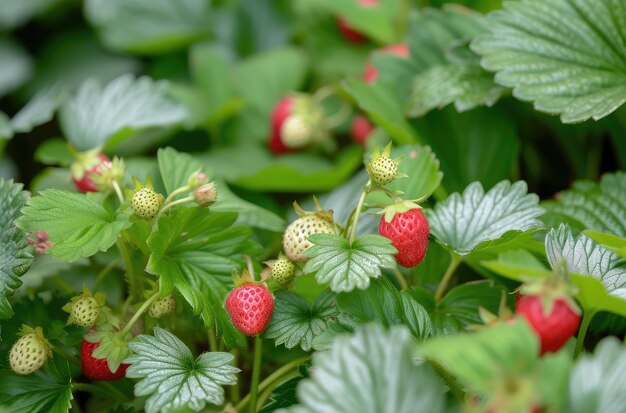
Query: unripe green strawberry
x,y
162,306
382,169
283,270
295,238
30,352
85,312
146,203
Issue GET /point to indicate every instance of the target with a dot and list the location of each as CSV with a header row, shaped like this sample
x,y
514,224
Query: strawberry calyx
x,y
552,288
112,345
38,332
382,169
398,207
100,314
326,215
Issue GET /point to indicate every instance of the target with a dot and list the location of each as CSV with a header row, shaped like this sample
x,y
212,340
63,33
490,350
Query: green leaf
x,y
39,110
15,258
566,56
594,297
149,26
124,106
348,377
296,323
585,257
77,225
195,251
284,395
172,378
15,65
464,222
54,152
46,391
384,304
597,383
348,266
609,241
517,265
16,13
600,207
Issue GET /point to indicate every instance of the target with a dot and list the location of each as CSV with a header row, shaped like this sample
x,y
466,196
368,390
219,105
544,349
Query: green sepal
x,y
398,208
38,331
113,345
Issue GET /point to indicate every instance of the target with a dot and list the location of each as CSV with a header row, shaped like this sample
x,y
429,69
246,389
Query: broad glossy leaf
x,y
15,258
77,225
149,26
583,256
566,56
46,391
195,251
588,205
125,105
371,371
172,378
296,323
346,266
464,222
597,383
15,64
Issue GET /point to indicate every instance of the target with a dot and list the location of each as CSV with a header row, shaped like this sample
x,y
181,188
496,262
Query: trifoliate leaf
x,y
46,391
195,251
597,383
122,107
600,207
464,222
583,256
296,323
566,56
371,371
15,259
348,266
172,378
149,26
77,225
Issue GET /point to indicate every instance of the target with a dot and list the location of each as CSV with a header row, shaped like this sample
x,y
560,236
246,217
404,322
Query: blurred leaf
x,y
609,241
15,64
213,73
597,383
77,225
593,296
6,132
517,265
54,152
195,251
172,378
46,391
347,377
125,105
296,323
15,13
588,205
283,395
15,256
346,266
464,222
39,110
149,26
566,56
384,304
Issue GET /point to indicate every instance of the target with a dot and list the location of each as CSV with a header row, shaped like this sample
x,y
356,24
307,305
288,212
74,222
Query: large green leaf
x,y
15,259
149,26
597,383
296,323
464,222
77,225
195,251
39,110
123,106
610,241
566,56
600,207
372,371
346,266
46,391
172,378
15,65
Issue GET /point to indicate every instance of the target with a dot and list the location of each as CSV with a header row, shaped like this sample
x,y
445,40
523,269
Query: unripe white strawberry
x,y
282,270
85,312
30,352
162,306
382,169
146,203
295,238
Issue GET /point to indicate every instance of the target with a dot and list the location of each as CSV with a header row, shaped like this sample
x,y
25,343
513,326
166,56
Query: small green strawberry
x,y
295,237
146,203
382,169
86,309
162,306
282,270
30,352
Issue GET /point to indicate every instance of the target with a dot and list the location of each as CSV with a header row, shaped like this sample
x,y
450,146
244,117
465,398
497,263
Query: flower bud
x,y
197,179
205,195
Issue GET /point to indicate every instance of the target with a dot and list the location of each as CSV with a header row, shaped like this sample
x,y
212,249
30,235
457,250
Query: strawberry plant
x,y
312,206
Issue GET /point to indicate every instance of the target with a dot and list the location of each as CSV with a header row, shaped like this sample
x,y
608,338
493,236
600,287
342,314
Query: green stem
x,y
401,279
110,392
104,272
212,340
130,269
256,373
177,202
443,284
118,191
453,384
357,213
63,284
139,312
174,193
580,340
235,396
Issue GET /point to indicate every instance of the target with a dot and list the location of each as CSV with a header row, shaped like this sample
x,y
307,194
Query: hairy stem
x,y
400,278
130,268
177,202
256,373
443,284
357,214
178,191
451,381
582,332
139,312
118,191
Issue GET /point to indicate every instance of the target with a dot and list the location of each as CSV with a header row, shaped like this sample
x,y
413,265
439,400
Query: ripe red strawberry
x,y
361,128
348,32
97,369
250,307
281,111
82,173
553,328
408,232
371,73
